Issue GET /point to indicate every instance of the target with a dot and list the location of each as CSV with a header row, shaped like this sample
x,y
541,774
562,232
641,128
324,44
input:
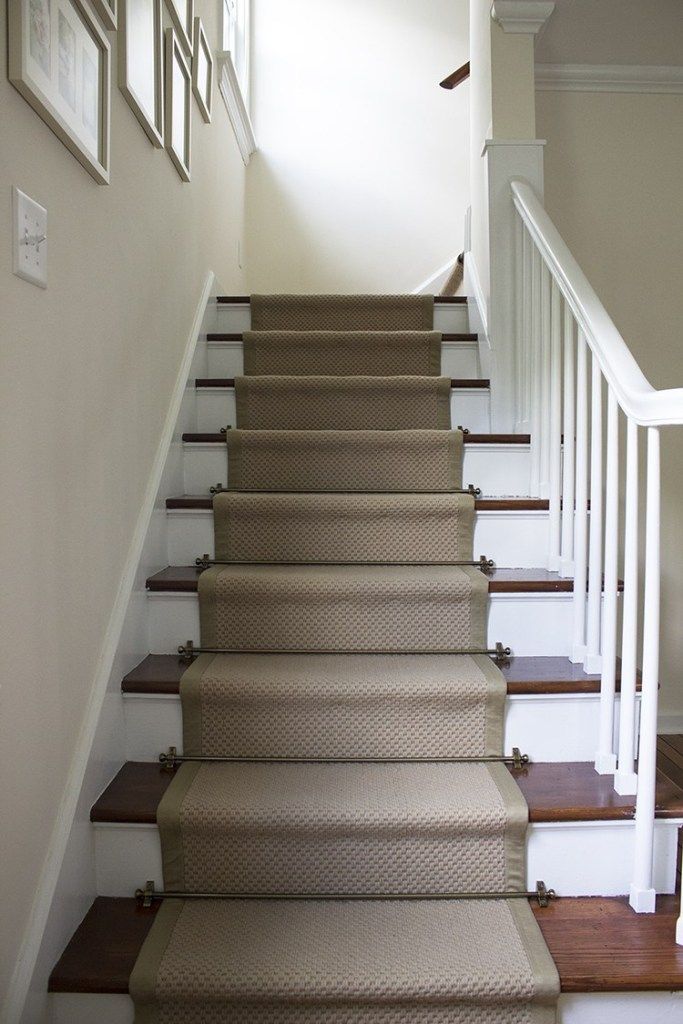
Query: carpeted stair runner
x,y
343,403
341,828
344,460
343,353
343,527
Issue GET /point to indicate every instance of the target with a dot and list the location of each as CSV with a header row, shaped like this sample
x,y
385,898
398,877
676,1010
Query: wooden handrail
x,y
457,77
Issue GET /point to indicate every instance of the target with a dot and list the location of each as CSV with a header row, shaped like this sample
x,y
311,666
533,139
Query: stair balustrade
x,y
570,356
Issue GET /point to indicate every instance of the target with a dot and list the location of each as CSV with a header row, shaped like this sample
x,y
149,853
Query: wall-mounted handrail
x,y
636,396
456,77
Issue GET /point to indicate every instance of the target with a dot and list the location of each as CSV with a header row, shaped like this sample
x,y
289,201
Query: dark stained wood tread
x,y
215,438
460,336
439,300
557,791
183,578
598,944
205,501
480,383
161,673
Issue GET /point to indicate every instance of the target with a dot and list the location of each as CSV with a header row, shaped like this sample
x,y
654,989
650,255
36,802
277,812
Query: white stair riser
x,y
531,624
470,407
458,359
512,539
498,469
574,1008
555,727
575,858
235,319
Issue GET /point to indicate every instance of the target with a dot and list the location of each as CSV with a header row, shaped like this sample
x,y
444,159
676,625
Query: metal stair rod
x,y
171,759
220,489
483,563
541,893
188,651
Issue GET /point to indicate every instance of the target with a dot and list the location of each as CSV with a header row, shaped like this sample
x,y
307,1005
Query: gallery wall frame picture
x,y
141,64
60,62
202,70
178,102
108,12
182,17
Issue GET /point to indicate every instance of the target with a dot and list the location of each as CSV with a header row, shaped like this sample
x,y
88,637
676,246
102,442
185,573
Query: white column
x,y
626,780
643,894
605,758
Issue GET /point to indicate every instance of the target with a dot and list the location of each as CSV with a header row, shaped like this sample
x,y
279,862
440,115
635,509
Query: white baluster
x,y
535,361
592,662
544,489
626,780
527,275
567,557
605,758
555,428
642,897
581,511
519,322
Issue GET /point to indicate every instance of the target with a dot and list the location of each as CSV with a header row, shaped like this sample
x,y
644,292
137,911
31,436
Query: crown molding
x,y
528,16
640,78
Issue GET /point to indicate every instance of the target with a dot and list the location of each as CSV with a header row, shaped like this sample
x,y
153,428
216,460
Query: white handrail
x,y
636,396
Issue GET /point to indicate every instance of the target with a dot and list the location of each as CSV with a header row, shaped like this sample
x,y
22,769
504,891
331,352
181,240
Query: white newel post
x,y
506,159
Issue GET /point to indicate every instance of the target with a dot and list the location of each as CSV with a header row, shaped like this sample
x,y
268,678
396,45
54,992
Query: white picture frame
x,y
141,64
182,18
60,62
108,12
178,102
202,70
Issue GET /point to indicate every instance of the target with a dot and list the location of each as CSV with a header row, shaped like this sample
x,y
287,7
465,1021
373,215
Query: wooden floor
x,y
598,944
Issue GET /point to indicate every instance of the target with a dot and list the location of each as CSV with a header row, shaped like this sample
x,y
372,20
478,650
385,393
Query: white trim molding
x,y
610,78
527,16
436,280
229,85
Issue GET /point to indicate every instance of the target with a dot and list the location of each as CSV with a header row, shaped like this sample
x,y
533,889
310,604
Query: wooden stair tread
x,y
439,300
554,791
183,578
205,501
459,336
161,674
598,945
211,437
474,383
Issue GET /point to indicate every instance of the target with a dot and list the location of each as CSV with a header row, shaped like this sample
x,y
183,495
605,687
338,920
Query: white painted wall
x,y
613,188
86,373
361,179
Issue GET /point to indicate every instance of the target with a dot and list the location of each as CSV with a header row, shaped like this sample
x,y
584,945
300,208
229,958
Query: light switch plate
x,y
29,238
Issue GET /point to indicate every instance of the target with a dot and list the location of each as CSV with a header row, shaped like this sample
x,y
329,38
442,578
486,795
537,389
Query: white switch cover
x,y
29,238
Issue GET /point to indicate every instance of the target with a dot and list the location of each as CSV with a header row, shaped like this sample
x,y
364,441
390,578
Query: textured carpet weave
x,y
343,453
342,353
343,527
343,403
342,705
342,608
342,312
347,460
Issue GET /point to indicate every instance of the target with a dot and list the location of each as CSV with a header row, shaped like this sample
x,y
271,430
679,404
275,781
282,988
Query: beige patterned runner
x,y
342,312
343,353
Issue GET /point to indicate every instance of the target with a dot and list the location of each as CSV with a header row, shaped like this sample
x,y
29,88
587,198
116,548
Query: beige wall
x,y
87,369
613,187
361,179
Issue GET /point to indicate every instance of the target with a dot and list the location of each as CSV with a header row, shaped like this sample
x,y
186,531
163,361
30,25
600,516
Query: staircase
x,y
580,834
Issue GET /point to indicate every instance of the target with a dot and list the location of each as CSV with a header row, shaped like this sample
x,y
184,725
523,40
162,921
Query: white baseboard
x,y
433,284
46,889
669,722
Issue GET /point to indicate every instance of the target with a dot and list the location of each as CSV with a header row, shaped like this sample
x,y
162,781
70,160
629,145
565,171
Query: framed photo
x,y
178,105
108,12
141,64
60,62
202,70
182,16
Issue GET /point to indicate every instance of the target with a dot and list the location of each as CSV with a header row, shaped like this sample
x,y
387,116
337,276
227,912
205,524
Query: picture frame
x,y
178,102
182,18
60,62
141,64
108,12
202,71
